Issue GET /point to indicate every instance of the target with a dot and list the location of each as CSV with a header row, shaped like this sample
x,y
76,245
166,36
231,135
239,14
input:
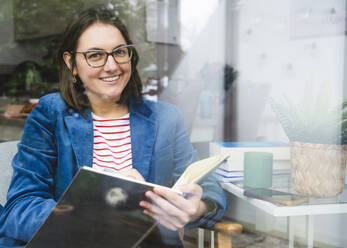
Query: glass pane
x,y
245,75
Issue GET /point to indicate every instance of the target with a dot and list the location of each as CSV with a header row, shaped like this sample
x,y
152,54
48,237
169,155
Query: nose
x,y
111,64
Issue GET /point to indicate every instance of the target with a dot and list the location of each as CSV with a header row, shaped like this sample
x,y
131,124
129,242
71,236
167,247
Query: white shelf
x,y
278,210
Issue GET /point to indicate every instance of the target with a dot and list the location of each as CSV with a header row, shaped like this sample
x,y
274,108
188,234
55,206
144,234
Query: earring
x,y
74,80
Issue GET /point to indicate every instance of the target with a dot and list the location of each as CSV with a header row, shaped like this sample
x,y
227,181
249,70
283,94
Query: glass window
x,y
247,75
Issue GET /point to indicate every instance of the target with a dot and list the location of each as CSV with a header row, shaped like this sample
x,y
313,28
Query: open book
x,y
101,209
198,171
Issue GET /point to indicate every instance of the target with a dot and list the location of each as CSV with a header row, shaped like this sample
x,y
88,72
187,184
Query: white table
x,y
315,206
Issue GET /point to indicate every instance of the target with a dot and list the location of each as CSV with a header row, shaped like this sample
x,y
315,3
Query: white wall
x,y
284,45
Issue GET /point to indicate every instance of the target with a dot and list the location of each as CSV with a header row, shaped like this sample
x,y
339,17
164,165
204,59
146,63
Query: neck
x,y
109,109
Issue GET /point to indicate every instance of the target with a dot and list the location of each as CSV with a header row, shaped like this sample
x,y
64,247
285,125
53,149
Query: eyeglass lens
x,y
99,58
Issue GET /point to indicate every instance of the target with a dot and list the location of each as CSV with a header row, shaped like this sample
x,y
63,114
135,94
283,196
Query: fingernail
x,y
156,190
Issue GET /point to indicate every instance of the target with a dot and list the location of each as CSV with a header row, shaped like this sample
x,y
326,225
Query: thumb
x,y
191,190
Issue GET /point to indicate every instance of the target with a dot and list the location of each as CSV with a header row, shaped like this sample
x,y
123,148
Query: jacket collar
x,y
143,128
80,129
143,132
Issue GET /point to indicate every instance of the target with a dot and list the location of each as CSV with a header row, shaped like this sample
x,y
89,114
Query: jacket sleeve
x,y
184,155
30,198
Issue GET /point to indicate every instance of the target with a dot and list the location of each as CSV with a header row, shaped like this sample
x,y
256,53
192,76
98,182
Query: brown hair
x,y
74,93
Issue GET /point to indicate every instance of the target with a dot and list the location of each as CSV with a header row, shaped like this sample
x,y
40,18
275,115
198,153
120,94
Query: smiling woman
x,y
100,120
103,78
77,62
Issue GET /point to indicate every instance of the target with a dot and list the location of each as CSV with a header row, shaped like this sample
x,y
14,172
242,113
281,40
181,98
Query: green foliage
x,y
37,35
28,81
312,120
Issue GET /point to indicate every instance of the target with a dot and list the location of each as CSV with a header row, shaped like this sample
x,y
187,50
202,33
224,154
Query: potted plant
x,y
318,138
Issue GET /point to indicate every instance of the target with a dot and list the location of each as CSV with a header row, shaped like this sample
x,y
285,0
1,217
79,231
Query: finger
x,y
191,189
132,173
136,174
161,220
163,207
189,202
161,213
190,205
174,198
153,208
163,204
165,219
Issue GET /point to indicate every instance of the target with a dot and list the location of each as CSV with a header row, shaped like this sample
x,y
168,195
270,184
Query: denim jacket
x,y
57,141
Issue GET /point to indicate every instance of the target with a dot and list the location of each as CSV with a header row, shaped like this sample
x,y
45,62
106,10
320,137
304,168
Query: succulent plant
x,y
312,120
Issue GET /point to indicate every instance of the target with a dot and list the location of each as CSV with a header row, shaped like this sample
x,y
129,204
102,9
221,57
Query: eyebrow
x,y
100,49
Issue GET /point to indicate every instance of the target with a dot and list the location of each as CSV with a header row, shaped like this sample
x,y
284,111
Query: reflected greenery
x,y
313,119
37,25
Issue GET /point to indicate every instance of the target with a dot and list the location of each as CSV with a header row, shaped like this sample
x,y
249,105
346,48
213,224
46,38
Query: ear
x,y
67,59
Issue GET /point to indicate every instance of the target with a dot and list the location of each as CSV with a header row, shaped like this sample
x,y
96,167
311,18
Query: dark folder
x,y
102,210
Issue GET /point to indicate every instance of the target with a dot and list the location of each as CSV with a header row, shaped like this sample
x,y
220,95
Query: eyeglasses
x,y
98,58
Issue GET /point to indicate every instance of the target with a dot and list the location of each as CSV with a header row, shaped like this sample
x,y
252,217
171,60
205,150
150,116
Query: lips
x,y
110,79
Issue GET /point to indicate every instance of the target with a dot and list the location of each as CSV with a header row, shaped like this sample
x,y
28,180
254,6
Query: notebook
x,y
101,209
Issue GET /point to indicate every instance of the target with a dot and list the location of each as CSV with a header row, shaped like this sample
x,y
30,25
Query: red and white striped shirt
x,y
112,143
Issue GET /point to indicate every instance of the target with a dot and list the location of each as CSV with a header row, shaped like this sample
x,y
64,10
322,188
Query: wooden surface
x,y
227,227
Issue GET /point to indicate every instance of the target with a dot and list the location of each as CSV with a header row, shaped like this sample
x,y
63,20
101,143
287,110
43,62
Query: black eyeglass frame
x,y
107,53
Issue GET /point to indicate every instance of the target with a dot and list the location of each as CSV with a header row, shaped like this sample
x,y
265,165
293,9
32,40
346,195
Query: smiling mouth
x,y
110,79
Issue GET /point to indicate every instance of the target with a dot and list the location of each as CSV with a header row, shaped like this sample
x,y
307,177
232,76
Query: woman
x,y
100,84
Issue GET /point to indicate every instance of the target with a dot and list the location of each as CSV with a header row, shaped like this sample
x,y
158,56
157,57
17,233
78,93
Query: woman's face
x,y
107,82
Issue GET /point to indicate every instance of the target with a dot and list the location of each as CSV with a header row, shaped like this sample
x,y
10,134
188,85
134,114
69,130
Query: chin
x,y
110,97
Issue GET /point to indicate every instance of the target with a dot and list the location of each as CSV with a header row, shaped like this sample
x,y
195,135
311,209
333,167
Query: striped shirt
x,y
112,143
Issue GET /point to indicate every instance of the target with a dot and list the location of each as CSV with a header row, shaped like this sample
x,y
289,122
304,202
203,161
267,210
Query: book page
x,y
198,170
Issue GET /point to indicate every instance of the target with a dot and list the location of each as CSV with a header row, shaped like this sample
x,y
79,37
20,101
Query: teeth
x,y
111,79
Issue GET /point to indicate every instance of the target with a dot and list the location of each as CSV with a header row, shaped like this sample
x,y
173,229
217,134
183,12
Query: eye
x,y
95,55
121,52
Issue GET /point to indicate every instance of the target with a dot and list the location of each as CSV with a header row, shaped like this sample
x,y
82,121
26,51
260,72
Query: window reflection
x,y
219,61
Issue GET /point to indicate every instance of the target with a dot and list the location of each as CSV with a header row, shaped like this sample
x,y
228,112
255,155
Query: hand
x,y
132,173
173,210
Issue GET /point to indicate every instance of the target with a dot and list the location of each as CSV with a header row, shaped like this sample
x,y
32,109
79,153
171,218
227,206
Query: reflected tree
x,y
39,23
